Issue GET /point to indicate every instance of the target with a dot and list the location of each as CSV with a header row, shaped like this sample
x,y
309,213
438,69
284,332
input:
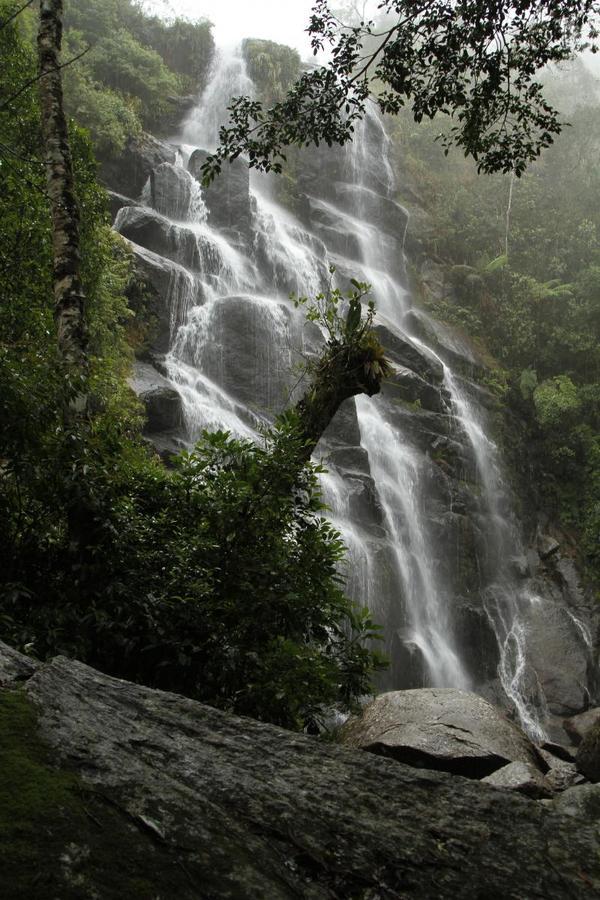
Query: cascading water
x,y
232,255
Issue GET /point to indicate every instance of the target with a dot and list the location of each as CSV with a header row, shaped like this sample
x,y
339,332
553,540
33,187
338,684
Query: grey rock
x,y
440,728
404,353
171,191
164,292
161,399
588,754
117,201
578,726
128,172
163,408
521,777
249,810
15,666
559,656
406,385
581,802
561,774
228,197
232,342
546,545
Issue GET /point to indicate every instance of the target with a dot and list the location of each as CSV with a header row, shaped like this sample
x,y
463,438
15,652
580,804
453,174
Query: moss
x,y
59,839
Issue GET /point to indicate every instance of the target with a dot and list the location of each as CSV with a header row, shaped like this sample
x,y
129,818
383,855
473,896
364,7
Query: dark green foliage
x,y
218,580
475,61
272,67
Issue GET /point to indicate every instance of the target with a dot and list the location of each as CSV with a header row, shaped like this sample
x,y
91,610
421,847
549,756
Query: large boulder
x,y
243,344
578,726
171,190
14,667
559,656
161,400
128,172
521,777
227,198
160,294
440,728
406,353
588,754
198,803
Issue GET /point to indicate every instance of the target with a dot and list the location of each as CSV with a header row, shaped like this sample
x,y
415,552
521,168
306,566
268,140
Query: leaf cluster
x,y
474,60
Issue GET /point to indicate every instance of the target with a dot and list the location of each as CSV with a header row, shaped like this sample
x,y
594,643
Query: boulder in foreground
x,y
440,728
191,802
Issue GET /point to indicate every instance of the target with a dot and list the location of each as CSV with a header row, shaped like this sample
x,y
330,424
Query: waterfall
x,y
233,254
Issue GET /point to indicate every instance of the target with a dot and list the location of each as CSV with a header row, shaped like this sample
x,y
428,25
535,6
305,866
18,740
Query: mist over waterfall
x,y
416,482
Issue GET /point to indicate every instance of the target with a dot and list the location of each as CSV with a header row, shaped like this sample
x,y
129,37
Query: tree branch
x,y
15,14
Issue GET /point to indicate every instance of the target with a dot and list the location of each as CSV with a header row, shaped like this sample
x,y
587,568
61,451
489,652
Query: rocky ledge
x,y
172,798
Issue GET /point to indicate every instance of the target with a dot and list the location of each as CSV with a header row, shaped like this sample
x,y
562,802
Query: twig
x,y
15,14
38,77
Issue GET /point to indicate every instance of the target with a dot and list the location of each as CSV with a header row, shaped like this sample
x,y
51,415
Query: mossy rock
x,y
58,839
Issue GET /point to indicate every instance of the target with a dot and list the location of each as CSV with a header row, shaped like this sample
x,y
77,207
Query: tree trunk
x,y
344,371
69,299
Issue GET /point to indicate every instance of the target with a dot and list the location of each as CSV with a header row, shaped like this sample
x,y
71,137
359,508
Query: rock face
x,y
440,728
521,777
14,667
578,726
129,172
237,808
588,754
228,197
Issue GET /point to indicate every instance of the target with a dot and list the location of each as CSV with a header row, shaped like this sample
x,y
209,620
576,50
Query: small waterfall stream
x,y
235,346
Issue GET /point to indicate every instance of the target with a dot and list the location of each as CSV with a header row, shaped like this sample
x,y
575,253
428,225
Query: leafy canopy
x,y
475,60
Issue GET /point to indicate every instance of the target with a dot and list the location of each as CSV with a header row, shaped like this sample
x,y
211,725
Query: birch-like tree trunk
x,y
69,299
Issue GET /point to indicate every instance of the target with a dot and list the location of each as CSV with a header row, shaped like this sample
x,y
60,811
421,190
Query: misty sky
x,y
235,19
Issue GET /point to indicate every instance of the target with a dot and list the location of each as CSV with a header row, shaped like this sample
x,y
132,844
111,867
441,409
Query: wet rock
x,y
406,385
588,754
520,566
440,728
521,777
559,656
350,459
557,751
150,230
404,353
171,191
160,294
162,401
248,810
343,429
546,545
243,344
129,172
227,198
578,726
14,666
117,201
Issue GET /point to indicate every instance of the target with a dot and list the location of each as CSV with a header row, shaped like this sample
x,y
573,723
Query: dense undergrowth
x,y
217,579
521,264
